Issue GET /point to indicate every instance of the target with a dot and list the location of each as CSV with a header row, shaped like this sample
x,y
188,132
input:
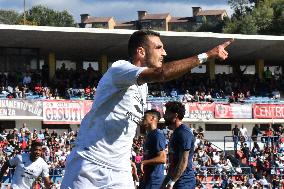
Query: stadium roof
x,y
90,43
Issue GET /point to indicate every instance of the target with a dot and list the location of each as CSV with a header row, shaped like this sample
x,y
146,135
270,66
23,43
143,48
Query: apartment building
x,y
162,22
88,21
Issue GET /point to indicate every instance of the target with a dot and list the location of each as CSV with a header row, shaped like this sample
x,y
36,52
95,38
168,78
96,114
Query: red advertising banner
x,y
159,106
268,111
233,111
199,110
63,112
87,106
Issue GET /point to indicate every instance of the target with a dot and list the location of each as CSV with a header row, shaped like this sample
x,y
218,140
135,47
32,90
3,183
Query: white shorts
x,y
83,174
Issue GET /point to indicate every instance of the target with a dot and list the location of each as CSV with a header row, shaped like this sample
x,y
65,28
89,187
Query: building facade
x,y
162,22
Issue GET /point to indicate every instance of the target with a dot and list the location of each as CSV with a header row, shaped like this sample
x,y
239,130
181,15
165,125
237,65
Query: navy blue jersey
x,y
153,174
182,140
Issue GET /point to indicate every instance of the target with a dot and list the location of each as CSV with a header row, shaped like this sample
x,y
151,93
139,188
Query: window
x,y
18,59
68,64
95,65
7,125
248,69
199,69
220,69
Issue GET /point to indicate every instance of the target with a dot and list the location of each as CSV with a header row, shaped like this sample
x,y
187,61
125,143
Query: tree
x,y
212,26
231,26
43,16
256,17
208,24
263,16
9,17
248,25
240,7
278,21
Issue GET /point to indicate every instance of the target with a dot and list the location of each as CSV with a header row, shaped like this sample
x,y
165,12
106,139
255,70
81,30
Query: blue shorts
x,y
188,184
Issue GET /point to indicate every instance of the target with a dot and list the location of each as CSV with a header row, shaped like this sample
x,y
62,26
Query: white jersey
x,y
244,132
26,171
107,131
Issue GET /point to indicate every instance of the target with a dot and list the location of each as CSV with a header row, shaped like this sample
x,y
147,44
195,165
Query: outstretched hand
x,y
219,51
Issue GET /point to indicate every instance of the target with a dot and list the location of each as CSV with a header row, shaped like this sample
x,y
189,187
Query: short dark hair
x,y
139,39
36,144
154,113
176,107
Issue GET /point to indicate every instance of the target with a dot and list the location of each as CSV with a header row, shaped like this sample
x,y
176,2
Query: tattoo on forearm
x,y
181,166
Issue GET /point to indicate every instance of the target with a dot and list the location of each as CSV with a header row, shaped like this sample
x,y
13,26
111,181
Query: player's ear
x,y
176,115
140,51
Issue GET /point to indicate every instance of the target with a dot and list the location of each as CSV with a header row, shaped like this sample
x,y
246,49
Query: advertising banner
x,y
87,106
159,106
233,111
63,112
20,107
268,111
199,110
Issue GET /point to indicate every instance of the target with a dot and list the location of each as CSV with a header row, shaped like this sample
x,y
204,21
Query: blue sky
x,y
121,10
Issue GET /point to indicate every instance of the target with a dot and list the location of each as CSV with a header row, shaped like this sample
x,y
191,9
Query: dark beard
x,y
148,56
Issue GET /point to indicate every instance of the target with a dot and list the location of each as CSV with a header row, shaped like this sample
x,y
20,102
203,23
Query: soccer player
x,y
100,158
29,166
181,149
154,152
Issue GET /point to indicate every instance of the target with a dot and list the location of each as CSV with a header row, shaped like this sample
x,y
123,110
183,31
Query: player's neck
x,y
138,62
33,159
178,123
152,128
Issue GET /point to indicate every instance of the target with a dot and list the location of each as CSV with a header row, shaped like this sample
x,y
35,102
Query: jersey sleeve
x,y
125,73
186,139
14,161
161,143
45,171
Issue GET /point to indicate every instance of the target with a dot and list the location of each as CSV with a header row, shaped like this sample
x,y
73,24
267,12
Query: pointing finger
x,y
227,43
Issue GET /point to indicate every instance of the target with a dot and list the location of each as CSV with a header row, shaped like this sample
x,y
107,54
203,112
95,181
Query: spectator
x,y
196,97
208,97
27,79
246,151
263,182
90,68
233,98
235,134
174,93
41,135
241,97
267,74
268,135
187,97
243,133
277,73
255,132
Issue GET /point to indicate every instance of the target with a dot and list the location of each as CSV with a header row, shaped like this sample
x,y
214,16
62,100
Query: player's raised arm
x,y
175,69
